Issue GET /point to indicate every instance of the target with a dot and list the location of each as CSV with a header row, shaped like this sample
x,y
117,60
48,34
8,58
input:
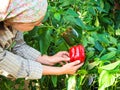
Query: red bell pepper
x,y
77,53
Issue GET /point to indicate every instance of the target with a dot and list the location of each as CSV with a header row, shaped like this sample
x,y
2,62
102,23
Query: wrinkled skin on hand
x,y
62,56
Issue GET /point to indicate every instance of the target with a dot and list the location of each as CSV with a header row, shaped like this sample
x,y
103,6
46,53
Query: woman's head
x,y
24,26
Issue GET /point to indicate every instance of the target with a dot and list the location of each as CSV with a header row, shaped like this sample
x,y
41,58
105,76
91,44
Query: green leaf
x,y
82,72
111,30
65,3
84,41
105,80
71,83
106,20
110,66
108,56
97,22
61,46
93,64
69,18
103,38
98,46
57,16
91,40
113,40
54,80
7,86
80,23
92,10
44,42
72,12
90,54
90,28
100,9
112,49
80,80
118,32
102,4
118,46
107,6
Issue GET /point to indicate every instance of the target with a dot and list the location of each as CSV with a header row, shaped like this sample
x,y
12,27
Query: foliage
x,y
98,24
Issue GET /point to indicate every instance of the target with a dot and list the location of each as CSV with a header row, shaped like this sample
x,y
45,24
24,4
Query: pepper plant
x,y
93,23
96,25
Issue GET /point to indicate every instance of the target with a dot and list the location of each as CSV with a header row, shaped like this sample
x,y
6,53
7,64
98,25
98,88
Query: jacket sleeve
x,y
24,50
19,67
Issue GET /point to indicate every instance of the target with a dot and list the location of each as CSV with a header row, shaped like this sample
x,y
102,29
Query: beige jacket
x,y
21,61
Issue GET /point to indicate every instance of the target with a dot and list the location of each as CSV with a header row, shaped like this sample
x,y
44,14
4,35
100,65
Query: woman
x,y
23,61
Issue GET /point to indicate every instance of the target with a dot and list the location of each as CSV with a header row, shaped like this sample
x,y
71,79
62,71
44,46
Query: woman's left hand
x,y
62,56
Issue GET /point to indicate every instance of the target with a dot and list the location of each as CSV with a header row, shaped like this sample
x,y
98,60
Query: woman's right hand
x,y
68,68
71,68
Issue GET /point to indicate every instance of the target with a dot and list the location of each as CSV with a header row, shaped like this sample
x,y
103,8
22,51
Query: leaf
x,y
118,46
54,80
106,20
75,21
102,4
65,3
111,30
80,80
61,46
118,32
71,83
113,40
103,38
97,22
98,46
105,80
80,23
110,66
69,18
90,28
91,40
7,86
57,16
100,9
107,6
72,12
112,49
93,64
44,42
90,54
92,10
82,73
108,55
84,41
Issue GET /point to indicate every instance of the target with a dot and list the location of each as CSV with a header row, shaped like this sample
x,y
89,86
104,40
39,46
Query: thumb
x,y
75,62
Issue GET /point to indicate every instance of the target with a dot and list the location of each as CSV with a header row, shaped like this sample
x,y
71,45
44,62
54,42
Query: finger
x,y
65,56
64,59
64,53
66,62
75,62
61,63
78,66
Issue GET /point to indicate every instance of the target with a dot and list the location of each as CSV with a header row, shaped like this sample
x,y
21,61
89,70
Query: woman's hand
x,y
62,56
69,68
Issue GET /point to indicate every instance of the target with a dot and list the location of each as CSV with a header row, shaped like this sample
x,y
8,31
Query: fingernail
x,y
78,61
